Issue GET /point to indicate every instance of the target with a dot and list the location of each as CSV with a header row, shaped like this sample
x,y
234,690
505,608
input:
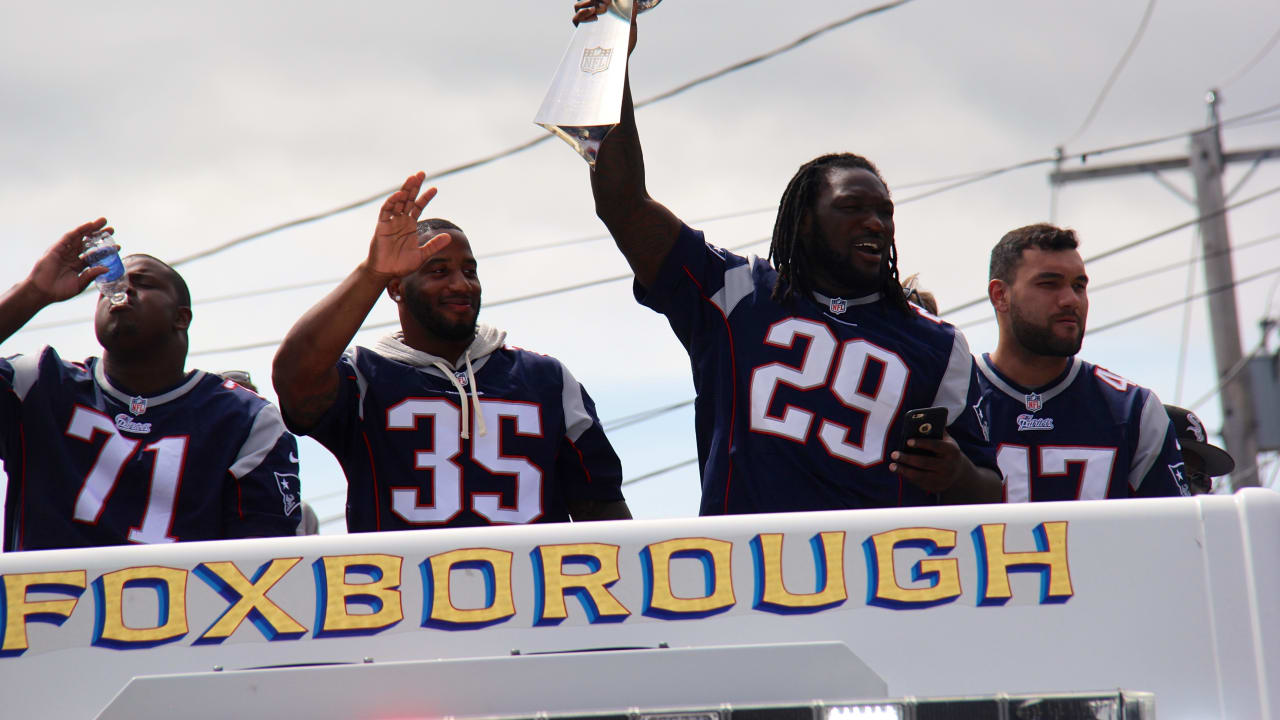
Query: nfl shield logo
x,y
596,59
838,305
138,405
1033,401
462,378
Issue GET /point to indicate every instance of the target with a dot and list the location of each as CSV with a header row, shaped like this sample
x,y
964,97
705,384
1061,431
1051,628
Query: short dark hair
x,y
435,226
175,279
797,200
1007,254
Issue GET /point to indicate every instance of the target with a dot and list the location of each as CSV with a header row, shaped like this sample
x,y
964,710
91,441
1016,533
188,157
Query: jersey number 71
x,y
166,475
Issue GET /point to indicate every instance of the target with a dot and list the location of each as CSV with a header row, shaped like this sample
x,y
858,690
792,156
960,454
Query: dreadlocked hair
x,y
786,251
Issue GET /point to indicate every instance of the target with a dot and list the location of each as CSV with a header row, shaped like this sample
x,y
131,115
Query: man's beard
x,y
841,269
438,325
1040,339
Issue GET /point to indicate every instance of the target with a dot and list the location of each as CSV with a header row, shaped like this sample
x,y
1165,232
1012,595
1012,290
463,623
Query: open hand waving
x,y
397,249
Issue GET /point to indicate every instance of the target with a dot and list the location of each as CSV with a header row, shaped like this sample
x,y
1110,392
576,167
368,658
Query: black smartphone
x,y
923,423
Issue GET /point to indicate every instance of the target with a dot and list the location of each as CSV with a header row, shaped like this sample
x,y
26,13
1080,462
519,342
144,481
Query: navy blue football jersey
x,y
798,407
1089,434
90,465
396,428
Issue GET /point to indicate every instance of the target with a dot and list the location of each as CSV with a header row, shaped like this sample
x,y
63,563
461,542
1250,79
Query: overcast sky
x,y
188,124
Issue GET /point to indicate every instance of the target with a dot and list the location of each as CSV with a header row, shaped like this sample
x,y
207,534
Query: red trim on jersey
x,y
373,471
581,459
733,378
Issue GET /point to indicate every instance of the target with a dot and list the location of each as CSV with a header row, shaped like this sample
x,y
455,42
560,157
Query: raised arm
x,y
305,371
644,229
58,275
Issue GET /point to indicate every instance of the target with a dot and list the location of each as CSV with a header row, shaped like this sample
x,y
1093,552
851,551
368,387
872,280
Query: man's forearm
x,y
304,367
977,485
18,306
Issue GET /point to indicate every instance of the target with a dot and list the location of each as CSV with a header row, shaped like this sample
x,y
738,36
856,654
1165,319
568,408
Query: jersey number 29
x,y
880,405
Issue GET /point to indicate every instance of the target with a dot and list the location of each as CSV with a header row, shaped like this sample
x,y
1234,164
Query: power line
x,y
1144,275
1115,73
955,180
958,180
1251,64
643,415
505,301
803,39
1176,303
659,471
1135,243
1183,263
1180,226
1229,376
652,413
714,75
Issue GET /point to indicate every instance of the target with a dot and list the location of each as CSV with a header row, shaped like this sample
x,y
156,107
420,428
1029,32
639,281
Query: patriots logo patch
x,y
1179,473
289,486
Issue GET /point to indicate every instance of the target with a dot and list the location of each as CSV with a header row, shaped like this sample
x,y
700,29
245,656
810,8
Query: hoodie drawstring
x,y
462,395
481,430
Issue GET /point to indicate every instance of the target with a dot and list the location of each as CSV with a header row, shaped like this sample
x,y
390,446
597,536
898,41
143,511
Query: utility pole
x,y
1206,162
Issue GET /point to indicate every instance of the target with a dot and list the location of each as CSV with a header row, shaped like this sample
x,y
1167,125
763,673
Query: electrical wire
x,y
1251,64
644,415
1227,377
956,180
776,51
1176,303
1135,243
1115,74
714,75
659,471
1132,318
1182,263
662,96
496,303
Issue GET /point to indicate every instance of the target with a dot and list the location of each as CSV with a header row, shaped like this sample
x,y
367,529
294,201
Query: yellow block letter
x,y
994,564
828,568
715,555
943,574
170,585
592,588
249,596
499,603
380,595
18,610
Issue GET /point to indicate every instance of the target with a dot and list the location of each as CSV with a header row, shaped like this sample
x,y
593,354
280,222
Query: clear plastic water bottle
x,y
100,249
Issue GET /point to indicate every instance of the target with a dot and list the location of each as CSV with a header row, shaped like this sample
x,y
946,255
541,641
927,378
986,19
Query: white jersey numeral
x,y
855,356
1015,465
486,451
166,475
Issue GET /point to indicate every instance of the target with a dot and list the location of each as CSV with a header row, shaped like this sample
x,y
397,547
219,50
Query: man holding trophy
x,y
806,363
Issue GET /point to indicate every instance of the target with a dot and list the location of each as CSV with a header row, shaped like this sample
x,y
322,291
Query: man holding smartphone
x,y
1065,429
803,366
